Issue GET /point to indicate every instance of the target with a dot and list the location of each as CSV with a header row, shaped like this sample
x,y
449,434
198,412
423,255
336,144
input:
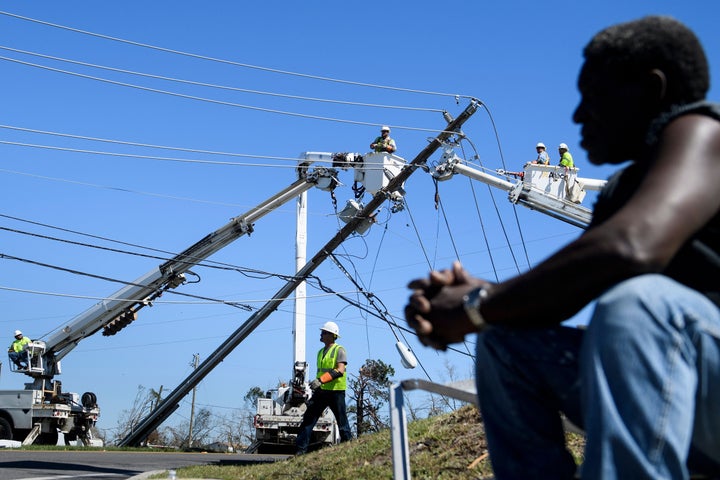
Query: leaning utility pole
x,y
171,402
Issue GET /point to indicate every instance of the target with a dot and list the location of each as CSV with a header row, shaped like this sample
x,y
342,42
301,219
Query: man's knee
x,y
636,303
633,288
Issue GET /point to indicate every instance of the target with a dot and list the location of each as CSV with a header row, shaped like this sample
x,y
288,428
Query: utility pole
x,y
157,396
194,364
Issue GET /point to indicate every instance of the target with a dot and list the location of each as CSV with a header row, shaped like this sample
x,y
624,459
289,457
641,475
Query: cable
x,y
119,189
228,62
109,279
248,272
517,221
147,145
447,225
223,87
417,233
210,100
149,157
206,300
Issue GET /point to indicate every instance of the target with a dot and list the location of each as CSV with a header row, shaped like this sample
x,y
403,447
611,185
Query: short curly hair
x,y
634,48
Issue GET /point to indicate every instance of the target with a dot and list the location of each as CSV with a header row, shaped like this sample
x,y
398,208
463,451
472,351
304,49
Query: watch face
x,y
472,306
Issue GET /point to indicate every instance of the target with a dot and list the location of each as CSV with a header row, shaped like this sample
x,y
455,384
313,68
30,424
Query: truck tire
x,y
6,432
89,400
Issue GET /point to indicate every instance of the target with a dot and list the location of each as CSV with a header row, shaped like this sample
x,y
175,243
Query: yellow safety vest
x,y
327,362
17,345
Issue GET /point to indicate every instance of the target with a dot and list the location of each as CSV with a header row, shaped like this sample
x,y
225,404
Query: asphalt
x,y
146,475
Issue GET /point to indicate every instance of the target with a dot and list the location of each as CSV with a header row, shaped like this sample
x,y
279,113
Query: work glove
x,y
315,384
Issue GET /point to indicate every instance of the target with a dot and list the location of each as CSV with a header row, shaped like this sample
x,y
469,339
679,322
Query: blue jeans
x,y
19,357
321,399
643,382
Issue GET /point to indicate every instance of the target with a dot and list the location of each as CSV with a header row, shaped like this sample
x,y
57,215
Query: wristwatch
x,y
471,303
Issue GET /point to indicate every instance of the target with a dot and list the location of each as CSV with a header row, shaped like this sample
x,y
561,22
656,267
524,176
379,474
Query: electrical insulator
x,y
119,322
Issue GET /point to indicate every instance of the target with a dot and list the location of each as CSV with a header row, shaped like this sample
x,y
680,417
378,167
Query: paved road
x,y
91,465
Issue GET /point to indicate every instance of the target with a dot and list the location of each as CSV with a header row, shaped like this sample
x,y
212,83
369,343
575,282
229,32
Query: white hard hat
x,y
384,128
540,144
563,145
17,332
331,327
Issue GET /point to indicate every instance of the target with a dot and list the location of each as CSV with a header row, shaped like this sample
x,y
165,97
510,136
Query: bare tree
x,y
203,429
238,428
369,391
438,404
129,419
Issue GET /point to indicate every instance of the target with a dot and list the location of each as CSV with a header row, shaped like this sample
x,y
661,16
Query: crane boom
x,y
553,190
170,274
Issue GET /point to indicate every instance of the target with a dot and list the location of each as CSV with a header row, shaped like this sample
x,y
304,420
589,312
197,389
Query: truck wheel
x,y
89,400
5,430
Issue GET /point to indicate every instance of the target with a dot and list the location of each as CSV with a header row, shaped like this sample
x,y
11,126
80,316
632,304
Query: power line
x,y
248,272
223,87
144,157
237,64
146,145
114,280
120,189
211,100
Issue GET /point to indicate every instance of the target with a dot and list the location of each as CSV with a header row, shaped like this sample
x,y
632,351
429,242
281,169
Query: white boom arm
x,y
553,190
121,308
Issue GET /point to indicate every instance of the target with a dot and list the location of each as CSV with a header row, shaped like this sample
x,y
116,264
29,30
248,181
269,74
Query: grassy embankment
x,y
449,446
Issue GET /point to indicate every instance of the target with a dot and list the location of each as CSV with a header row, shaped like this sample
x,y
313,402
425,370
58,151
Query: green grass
x,y
450,446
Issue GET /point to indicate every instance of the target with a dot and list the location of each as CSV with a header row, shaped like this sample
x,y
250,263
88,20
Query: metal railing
x,y
464,391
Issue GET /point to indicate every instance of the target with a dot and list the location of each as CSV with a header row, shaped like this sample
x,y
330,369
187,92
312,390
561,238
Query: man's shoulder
x,y
703,107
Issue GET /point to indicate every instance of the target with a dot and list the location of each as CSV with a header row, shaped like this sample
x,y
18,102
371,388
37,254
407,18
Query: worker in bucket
x,y
643,379
566,159
328,388
384,143
542,156
17,353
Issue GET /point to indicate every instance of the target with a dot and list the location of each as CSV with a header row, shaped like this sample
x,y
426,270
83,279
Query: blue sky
x,y
520,58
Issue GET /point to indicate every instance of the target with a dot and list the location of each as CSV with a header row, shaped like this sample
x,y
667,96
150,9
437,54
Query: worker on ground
x,y
384,143
566,159
17,353
328,388
542,156
643,379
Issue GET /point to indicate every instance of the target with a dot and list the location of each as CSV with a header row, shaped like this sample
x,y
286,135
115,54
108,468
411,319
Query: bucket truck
x,y
43,410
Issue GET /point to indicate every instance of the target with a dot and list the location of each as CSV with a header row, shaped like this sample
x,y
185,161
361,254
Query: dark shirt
x,y
697,263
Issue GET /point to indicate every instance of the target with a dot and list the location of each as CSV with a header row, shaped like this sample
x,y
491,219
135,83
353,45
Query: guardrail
x,y
464,391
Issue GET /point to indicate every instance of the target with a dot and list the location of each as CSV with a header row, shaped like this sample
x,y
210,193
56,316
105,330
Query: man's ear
x,y
658,84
